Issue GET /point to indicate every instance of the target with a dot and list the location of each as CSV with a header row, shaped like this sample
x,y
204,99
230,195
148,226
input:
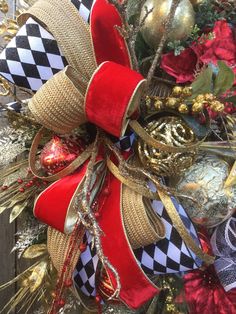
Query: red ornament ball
x,y
58,154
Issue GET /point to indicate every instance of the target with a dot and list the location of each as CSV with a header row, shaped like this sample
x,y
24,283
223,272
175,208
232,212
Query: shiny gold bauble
x,y
183,108
209,203
154,25
171,131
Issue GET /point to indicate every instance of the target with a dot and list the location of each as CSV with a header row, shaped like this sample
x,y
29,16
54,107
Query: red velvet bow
x,y
114,90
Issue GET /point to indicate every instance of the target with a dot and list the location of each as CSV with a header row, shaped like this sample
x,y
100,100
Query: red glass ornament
x,y
105,287
57,154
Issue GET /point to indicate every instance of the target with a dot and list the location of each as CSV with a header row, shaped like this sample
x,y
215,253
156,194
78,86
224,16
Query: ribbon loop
x,y
113,95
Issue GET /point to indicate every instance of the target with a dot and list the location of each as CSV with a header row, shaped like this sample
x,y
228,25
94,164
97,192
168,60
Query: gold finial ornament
x,y
154,24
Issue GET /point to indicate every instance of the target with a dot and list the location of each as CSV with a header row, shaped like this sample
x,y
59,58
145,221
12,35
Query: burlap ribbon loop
x,y
143,226
58,104
58,245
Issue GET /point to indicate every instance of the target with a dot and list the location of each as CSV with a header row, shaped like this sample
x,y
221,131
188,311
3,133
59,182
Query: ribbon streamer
x,y
223,242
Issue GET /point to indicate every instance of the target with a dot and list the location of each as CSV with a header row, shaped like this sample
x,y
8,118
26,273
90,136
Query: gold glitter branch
x,y
87,216
168,27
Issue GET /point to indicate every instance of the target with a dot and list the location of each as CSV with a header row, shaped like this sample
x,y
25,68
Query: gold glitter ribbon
x,y
180,227
64,172
131,184
231,179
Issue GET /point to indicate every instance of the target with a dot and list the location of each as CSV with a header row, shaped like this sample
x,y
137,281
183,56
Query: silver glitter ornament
x,y
204,182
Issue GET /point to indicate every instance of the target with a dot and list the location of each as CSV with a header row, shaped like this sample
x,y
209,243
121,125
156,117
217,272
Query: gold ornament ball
x,y
177,91
183,108
154,25
172,131
197,107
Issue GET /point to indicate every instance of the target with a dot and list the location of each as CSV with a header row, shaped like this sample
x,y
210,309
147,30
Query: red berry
x,y
61,303
82,247
22,190
20,181
98,298
68,283
4,187
97,215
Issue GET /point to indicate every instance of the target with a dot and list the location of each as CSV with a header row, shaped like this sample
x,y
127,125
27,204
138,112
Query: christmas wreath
x,y
123,149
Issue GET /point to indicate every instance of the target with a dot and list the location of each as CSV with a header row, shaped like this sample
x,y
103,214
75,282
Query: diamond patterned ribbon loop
x,y
32,57
223,242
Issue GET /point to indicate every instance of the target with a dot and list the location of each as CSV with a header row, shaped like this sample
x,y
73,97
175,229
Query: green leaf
x,y
203,83
132,11
224,79
141,48
231,99
199,130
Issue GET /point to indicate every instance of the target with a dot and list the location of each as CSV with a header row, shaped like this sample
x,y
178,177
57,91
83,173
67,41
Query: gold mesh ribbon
x,y
70,31
58,244
142,225
59,105
64,172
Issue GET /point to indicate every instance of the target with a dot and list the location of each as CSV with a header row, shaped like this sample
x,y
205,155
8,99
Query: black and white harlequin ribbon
x,y
85,271
170,255
125,143
32,57
223,242
84,8
13,106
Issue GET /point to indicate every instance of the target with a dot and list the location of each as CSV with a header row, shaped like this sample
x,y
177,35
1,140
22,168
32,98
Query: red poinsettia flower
x,y
221,47
205,294
181,67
